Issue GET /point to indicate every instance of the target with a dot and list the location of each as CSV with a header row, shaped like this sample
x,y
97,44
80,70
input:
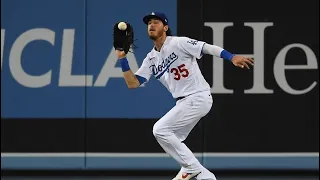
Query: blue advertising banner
x,y
57,60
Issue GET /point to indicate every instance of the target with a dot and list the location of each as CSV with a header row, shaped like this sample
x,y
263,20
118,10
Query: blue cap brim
x,y
147,18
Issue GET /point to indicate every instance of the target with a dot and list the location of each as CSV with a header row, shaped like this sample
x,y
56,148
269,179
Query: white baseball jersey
x,y
175,66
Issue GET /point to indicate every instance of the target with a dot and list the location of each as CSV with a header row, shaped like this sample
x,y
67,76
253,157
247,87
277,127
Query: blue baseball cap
x,y
157,15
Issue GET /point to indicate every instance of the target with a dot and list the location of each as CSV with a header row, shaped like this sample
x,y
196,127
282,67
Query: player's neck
x,y
158,43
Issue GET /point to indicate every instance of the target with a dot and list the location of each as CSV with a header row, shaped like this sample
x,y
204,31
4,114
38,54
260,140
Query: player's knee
x,y
158,131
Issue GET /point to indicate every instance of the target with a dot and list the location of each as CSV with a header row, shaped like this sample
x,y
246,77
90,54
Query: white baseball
x,y
122,26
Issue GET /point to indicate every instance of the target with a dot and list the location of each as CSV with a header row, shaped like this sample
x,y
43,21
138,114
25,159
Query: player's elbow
x,y
133,85
136,82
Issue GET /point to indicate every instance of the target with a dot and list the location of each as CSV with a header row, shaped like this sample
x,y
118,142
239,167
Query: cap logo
x,y
152,13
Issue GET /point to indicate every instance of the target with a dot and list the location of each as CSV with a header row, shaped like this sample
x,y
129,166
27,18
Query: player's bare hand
x,y
120,54
242,61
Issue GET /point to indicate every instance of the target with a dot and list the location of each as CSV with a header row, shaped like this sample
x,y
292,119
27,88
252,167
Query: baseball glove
x,y
123,39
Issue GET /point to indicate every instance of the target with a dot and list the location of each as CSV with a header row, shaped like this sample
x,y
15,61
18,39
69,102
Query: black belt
x,y
179,98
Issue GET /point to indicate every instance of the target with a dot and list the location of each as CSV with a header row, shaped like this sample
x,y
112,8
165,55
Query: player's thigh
x,y
201,105
185,114
170,122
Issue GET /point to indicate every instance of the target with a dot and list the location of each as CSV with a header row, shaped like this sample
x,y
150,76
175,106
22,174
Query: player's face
x,y
156,29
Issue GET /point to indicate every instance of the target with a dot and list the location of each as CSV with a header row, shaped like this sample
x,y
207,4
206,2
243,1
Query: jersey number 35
x,y
180,71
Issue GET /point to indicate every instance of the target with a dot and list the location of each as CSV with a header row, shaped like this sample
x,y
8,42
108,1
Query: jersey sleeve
x,y
144,70
191,47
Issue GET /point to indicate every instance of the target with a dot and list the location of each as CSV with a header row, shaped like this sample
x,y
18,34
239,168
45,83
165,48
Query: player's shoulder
x,y
177,38
181,39
174,41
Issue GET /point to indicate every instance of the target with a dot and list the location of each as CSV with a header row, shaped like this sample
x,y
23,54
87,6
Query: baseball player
x,y
173,61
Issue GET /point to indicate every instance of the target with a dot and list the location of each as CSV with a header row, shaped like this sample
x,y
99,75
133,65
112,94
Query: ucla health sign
x,y
57,60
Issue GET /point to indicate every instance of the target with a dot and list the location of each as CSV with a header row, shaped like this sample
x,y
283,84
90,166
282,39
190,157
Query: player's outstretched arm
x,y
132,80
239,61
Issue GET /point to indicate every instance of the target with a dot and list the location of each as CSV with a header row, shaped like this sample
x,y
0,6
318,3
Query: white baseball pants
x,y
175,126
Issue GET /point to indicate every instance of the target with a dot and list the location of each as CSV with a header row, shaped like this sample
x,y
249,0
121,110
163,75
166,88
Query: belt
x,y
179,98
